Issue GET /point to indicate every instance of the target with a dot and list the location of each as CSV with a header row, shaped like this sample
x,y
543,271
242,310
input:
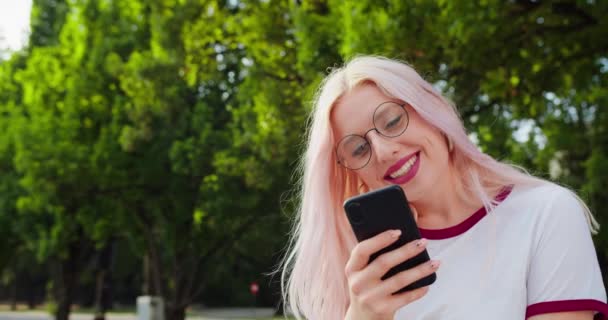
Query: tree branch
x,y
221,244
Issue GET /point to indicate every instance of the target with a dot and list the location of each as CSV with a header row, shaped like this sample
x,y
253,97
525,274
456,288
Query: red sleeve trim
x,y
568,305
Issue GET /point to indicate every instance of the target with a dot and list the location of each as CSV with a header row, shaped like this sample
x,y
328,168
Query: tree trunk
x,y
29,290
65,281
156,273
100,312
63,310
31,297
145,288
65,288
173,312
104,272
14,292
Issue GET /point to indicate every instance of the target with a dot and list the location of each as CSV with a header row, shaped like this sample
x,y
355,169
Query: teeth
x,y
405,168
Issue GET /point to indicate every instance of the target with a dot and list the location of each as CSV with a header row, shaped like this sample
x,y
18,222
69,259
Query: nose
x,y
383,148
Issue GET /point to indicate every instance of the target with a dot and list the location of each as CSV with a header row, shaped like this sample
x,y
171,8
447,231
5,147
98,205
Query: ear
x,y
362,187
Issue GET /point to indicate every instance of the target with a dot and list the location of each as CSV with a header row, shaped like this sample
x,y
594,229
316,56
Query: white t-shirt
x,y
532,254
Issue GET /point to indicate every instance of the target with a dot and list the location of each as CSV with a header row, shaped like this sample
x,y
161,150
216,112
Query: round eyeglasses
x,y
390,120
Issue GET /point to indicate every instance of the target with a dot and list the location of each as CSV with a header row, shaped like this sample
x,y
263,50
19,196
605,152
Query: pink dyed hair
x,y
313,279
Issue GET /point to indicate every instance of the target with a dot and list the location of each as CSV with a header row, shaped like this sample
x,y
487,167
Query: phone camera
x,y
355,213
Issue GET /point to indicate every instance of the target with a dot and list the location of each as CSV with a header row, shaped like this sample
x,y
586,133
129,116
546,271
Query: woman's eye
x,y
360,150
393,122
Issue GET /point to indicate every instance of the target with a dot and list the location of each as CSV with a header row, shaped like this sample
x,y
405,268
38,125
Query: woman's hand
x,y
370,297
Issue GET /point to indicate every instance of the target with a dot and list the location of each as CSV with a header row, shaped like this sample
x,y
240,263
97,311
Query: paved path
x,y
39,315
209,314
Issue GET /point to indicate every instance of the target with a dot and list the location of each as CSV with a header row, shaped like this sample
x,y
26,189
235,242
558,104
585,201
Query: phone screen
x,y
384,209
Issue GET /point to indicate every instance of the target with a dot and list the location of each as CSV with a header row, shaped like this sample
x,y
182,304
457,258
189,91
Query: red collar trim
x,y
450,232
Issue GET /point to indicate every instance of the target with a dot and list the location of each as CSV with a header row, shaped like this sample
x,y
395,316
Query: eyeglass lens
x,y
390,120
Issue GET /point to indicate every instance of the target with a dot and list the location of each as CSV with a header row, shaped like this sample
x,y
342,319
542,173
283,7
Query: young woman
x,y
504,244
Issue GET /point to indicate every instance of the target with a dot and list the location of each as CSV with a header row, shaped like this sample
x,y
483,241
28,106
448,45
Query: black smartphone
x,y
387,209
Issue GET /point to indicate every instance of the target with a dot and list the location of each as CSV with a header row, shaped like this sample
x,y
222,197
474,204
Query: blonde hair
x,y
313,280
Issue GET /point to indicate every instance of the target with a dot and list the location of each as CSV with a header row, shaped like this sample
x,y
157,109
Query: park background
x,y
151,146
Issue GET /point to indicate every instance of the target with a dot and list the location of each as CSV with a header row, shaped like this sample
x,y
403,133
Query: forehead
x,y
353,112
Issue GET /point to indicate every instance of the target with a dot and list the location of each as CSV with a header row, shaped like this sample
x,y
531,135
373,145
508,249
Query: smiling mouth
x,y
405,168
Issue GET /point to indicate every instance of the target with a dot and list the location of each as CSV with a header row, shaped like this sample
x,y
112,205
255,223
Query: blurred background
x,y
149,147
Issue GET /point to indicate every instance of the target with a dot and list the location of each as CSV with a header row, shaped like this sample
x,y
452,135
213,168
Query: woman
x,y
510,245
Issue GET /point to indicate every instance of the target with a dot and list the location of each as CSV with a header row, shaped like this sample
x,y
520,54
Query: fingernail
x,y
434,264
395,234
421,242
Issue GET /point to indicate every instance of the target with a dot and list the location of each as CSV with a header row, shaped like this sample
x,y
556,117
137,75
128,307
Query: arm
x,y
564,279
578,315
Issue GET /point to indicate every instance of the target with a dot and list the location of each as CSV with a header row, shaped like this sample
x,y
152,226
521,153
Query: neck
x,y
445,204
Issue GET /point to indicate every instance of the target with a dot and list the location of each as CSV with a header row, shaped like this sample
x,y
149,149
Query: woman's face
x,y
417,160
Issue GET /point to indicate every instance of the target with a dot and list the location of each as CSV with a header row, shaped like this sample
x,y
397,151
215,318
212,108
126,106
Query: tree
x,y
13,251
173,127
138,145
528,77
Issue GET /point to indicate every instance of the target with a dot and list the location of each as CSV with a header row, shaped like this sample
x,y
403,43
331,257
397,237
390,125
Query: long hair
x,y
313,280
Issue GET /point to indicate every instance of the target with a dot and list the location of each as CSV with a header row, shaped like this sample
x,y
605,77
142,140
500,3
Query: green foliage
x,y
529,78
176,125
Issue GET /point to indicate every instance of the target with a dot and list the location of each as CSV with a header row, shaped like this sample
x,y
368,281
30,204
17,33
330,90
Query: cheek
x,y
434,142
429,142
436,150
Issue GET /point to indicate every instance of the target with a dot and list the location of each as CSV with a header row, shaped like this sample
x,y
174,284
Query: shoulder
x,y
546,192
553,209
546,196
546,204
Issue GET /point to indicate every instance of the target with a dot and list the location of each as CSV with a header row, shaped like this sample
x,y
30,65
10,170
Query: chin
x,y
413,193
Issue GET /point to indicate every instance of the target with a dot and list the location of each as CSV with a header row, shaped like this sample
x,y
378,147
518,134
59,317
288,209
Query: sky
x,y
14,23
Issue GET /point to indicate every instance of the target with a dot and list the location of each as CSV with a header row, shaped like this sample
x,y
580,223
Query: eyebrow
x,y
379,114
350,138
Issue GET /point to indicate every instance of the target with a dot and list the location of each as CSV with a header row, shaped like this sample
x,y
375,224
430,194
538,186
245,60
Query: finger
x,y
397,301
359,284
359,256
370,276
390,259
407,277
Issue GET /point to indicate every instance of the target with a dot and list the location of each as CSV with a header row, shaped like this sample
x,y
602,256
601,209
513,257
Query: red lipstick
x,y
409,175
